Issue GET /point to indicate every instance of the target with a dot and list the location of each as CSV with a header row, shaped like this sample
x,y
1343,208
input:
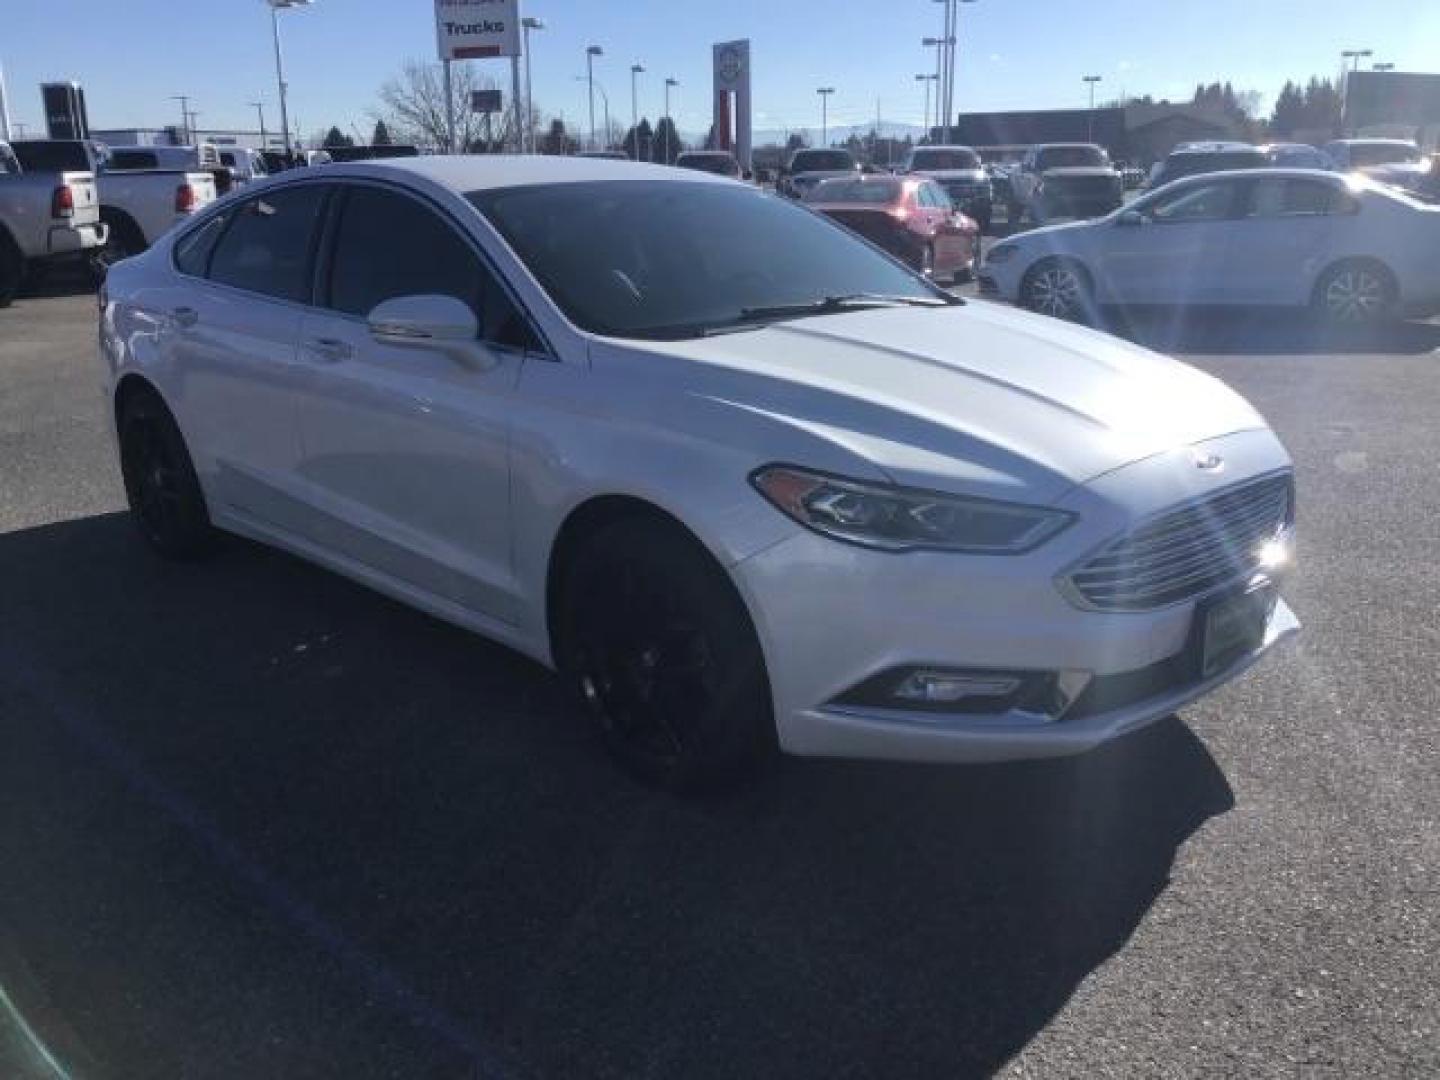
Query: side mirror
x,y
1132,218
440,324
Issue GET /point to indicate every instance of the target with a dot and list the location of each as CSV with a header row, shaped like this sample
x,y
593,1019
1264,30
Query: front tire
x,y
12,270
1058,288
166,501
1356,293
659,646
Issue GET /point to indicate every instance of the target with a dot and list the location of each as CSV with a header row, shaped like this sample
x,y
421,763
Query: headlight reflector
x,y
894,518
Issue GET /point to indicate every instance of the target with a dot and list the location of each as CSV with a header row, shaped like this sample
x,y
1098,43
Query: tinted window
x,y
656,259
269,247
42,155
720,164
1296,198
821,161
132,159
192,251
946,159
390,245
1070,157
1363,155
939,198
1194,202
857,190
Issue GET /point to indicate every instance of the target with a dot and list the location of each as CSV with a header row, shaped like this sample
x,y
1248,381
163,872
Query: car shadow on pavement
x,y
196,752
1262,332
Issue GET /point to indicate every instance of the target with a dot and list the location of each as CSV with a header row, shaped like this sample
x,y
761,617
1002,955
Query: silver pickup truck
x,y
137,206
45,216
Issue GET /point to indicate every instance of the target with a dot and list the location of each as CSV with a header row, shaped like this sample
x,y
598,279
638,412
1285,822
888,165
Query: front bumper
x,y
831,616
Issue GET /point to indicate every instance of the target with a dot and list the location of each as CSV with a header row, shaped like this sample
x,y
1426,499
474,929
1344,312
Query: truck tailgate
x,y
87,200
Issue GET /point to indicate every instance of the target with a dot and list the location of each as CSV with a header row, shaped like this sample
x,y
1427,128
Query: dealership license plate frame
x,y
1234,625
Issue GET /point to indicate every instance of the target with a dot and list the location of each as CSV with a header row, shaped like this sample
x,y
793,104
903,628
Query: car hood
x,y
1397,171
1078,171
980,398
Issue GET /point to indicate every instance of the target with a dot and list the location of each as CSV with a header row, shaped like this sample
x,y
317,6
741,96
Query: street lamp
x,y
1090,120
669,124
824,92
635,69
528,24
927,80
590,53
259,107
275,8
1355,56
938,44
184,101
1382,67
946,43
606,99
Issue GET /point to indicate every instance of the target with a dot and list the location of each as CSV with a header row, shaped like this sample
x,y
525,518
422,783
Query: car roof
x,y
704,153
476,172
1213,148
1067,145
1408,143
944,146
1264,174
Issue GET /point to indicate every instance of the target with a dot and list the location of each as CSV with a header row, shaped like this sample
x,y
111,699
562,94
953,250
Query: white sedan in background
x,y
740,476
1353,250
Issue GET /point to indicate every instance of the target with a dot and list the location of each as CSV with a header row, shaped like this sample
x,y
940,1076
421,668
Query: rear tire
x,y
658,645
166,501
12,270
1356,293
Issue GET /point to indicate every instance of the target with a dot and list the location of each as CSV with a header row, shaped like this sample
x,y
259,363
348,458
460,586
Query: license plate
x,y
1235,626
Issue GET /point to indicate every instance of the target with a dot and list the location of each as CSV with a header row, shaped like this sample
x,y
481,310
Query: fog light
x,y
942,687
1277,554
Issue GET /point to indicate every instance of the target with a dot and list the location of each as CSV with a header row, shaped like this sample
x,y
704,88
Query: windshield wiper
x,y
846,302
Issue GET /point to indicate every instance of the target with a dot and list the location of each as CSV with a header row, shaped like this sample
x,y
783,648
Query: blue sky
x,y
131,55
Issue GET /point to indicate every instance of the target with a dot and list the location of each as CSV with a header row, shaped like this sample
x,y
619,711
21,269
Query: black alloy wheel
x,y
161,487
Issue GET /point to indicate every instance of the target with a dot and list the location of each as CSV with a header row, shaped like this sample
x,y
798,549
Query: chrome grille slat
x,y
1187,551
1133,554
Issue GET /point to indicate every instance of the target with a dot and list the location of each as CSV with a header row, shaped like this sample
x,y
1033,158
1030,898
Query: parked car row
x,y
1392,161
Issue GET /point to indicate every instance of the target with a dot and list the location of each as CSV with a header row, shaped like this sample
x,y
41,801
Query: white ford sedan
x,y
738,475
1353,250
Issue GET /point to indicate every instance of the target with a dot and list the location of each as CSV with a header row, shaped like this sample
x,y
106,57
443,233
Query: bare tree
x,y
413,107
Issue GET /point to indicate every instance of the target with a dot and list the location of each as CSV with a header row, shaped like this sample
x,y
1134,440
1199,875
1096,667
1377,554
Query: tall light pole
x,y
259,107
4,108
635,69
1382,67
1354,56
1091,80
275,8
938,44
528,24
184,100
600,87
824,92
591,52
669,124
927,80
946,42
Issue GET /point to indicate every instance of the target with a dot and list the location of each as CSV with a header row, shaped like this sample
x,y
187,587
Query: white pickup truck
x,y
46,215
139,206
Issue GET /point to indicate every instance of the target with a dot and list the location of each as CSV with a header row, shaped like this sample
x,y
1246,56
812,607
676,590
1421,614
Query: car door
x,y
405,451
1282,239
230,331
1171,248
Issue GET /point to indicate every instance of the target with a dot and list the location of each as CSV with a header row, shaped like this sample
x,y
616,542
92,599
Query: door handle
x,y
185,317
330,350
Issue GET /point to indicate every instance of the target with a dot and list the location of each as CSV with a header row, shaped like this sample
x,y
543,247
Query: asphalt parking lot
x,y
258,821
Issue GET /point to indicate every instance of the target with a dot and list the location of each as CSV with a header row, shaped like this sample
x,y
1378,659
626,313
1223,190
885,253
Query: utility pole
x,y
529,24
184,117
259,107
824,92
635,69
1091,80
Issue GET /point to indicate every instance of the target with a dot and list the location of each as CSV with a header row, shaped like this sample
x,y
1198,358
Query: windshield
x,y
1193,164
659,259
822,161
1072,157
858,190
43,155
1381,153
719,164
945,158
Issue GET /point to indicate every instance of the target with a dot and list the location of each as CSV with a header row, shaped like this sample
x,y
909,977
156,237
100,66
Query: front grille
x,y
1189,551
1082,187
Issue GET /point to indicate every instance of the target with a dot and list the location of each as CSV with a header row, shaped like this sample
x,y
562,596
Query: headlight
x,y
1001,253
904,519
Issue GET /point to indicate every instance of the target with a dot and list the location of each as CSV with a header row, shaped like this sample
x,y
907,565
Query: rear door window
x,y
192,251
269,247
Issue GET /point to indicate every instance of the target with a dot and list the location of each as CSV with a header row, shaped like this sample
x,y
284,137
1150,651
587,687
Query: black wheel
x,y
1355,293
12,270
160,483
659,646
1057,288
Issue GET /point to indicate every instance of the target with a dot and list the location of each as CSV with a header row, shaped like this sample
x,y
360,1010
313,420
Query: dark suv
x,y
1193,159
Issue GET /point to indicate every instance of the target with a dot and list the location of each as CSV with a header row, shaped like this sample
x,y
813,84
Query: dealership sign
x,y
475,29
